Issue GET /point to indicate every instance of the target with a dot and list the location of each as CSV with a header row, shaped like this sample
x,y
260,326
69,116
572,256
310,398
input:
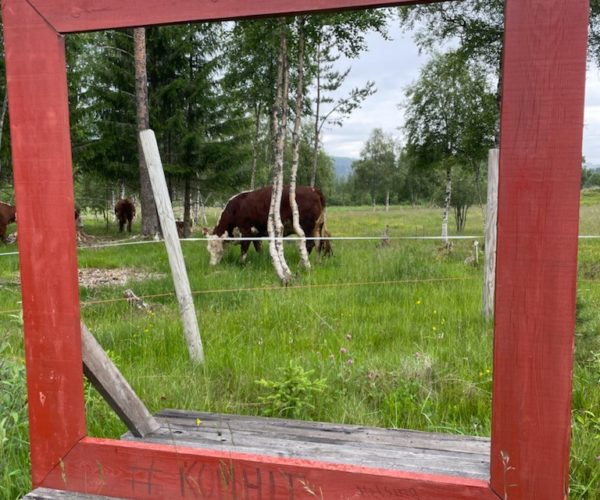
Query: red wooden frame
x,y
540,158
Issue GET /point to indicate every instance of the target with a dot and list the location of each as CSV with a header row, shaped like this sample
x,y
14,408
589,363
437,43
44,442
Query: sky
x,y
395,64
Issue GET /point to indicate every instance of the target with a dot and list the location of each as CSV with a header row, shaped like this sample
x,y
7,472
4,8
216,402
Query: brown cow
x,y
249,211
125,212
8,215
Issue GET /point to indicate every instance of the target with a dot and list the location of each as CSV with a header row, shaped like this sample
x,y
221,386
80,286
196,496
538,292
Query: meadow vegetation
x,y
388,336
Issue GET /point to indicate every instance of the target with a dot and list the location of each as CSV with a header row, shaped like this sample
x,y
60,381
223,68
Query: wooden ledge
x,y
393,449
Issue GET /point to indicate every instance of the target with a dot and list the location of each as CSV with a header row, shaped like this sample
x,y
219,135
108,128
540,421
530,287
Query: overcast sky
x,y
393,65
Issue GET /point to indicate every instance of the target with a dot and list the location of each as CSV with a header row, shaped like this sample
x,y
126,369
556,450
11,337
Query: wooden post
x,y
491,227
169,229
108,381
543,93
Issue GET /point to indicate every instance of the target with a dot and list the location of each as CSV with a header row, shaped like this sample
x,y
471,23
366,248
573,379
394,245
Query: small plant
x,y
293,395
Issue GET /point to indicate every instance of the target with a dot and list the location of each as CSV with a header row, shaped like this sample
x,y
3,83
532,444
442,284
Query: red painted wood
x,y
68,16
41,152
540,169
138,470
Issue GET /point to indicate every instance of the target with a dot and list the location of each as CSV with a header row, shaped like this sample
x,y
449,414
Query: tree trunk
x,y
387,201
257,112
187,208
447,199
313,175
296,147
274,224
150,225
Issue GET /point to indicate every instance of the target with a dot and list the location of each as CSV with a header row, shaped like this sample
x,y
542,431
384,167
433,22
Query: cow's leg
x,y
129,225
245,244
121,225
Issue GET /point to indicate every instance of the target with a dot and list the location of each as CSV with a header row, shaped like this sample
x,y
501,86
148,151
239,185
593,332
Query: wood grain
x,y
538,215
181,282
41,155
491,234
391,449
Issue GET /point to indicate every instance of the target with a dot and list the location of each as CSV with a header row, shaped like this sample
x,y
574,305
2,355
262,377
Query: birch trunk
x,y
257,112
387,201
313,176
296,148
150,225
447,198
274,224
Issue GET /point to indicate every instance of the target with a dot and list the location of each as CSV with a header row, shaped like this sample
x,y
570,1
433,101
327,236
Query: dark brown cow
x,y
8,215
248,212
125,212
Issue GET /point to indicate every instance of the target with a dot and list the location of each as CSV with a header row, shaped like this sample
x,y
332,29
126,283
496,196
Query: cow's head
x,y
215,246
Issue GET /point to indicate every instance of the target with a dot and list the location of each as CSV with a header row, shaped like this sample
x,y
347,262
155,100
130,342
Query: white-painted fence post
x,y
491,222
169,229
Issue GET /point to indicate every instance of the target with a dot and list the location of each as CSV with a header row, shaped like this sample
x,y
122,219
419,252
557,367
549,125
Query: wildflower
x,y
418,301
343,350
372,375
434,328
417,354
350,361
349,336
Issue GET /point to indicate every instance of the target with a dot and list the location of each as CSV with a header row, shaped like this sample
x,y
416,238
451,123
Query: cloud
x,y
395,64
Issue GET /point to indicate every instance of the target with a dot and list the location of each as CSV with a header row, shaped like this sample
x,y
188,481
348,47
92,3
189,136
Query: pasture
x,y
388,336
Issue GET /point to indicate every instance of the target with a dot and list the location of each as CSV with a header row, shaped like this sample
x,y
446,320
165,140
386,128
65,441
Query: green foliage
x,y
293,395
377,173
14,443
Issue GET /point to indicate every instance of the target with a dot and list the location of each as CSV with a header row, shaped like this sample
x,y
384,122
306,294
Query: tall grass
x,y
388,336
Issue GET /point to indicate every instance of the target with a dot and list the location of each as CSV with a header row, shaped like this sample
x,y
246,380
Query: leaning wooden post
x,y
114,388
169,229
491,222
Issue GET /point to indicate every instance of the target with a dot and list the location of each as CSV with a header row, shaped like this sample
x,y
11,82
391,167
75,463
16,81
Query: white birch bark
x,y
296,149
274,224
313,176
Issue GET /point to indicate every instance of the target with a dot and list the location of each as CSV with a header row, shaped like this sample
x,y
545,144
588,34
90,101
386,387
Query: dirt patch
x,y
91,277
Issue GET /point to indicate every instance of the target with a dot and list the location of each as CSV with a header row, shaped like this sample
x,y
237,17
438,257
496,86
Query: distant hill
x,y
342,166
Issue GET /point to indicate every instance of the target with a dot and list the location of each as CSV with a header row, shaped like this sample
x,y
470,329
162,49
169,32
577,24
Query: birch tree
x,y
300,25
444,113
280,115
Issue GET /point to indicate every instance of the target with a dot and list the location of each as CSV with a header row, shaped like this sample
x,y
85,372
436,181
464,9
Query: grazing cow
x,y
8,215
249,212
125,212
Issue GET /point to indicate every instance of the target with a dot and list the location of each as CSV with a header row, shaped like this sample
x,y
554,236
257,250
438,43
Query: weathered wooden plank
x,y
174,252
41,157
300,429
404,458
52,494
348,444
491,232
143,470
113,387
538,213
69,16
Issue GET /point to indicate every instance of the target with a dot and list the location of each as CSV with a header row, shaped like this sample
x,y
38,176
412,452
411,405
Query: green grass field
x,y
385,336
